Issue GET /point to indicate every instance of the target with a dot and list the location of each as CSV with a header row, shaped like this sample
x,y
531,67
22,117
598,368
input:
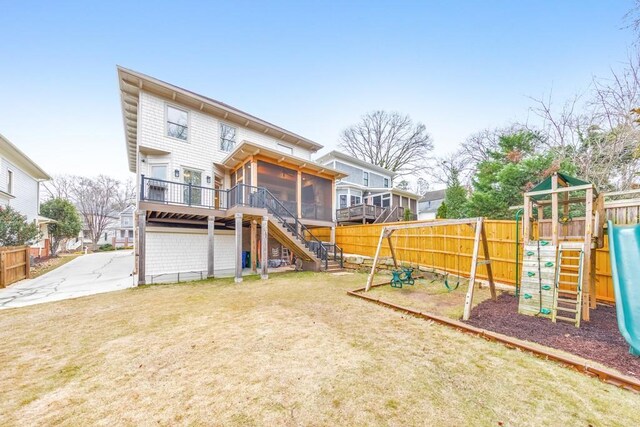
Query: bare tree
x,y
600,135
96,200
126,195
61,186
445,169
390,140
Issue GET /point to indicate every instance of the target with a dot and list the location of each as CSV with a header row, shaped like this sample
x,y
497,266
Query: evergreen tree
x,y
512,169
68,223
14,228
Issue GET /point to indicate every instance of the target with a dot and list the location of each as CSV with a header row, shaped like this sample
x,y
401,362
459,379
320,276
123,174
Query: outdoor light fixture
x,y
208,180
176,173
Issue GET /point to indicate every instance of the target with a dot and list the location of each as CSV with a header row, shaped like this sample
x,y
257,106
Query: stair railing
x,y
260,197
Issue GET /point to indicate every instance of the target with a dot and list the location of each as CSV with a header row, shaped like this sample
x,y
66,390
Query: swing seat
x,y
408,279
396,280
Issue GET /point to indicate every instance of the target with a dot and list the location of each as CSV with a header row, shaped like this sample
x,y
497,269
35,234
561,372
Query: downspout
x,y
518,213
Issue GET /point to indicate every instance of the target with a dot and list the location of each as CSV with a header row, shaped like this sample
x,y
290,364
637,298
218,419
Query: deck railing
x,y
358,212
168,192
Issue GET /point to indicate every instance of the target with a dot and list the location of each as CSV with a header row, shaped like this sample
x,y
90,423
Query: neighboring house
x,y
123,232
107,235
20,179
208,175
367,193
429,203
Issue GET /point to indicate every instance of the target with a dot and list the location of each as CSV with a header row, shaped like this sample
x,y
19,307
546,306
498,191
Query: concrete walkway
x,y
85,275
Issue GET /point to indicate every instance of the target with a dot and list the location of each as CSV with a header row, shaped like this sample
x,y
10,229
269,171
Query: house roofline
x,y
247,148
131,83
334,154
24,161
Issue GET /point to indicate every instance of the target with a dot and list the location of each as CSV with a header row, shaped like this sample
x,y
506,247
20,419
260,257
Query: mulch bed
x,y
598,340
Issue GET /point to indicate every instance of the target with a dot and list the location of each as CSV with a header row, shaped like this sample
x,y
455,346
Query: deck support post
x,y
332,237
254,244
210,245
264,249
238,275
141,246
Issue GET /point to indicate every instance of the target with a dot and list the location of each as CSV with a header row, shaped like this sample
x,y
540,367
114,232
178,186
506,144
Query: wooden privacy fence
x,y
14,264
450,248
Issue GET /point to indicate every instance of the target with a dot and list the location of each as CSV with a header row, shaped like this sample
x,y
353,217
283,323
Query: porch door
x,y
157,186
193,194
217,186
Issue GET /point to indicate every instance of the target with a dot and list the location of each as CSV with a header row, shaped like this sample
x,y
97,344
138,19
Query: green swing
x,y
449,287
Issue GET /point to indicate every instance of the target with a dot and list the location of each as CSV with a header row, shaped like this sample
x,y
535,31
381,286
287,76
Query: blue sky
x,y
311,67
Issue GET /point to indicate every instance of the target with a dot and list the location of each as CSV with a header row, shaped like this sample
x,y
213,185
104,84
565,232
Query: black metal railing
x,y
178,193
169,192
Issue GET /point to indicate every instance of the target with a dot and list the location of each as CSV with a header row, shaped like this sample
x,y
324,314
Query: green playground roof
x,y
571,181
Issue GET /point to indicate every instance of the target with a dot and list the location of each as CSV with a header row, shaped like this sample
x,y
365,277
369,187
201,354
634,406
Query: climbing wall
x,y
537,269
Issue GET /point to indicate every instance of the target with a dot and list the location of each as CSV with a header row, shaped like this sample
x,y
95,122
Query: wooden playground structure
x,y
558,274
480,238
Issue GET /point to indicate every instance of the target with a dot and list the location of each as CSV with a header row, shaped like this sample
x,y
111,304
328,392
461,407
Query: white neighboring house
x,y
429,203
367,193
20,179
123,232
208,176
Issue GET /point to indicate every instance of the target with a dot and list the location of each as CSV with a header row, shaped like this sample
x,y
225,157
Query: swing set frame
x,y
480,238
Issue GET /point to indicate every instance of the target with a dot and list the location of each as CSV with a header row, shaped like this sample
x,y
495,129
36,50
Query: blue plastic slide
x,y
624,250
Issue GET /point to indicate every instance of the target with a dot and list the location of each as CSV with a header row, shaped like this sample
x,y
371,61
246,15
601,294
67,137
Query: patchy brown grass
x,y
293,350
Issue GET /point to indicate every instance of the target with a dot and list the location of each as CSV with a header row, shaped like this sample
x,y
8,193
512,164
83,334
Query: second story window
x,y
365,179
9,182
227,137
386,183
285,149
177,123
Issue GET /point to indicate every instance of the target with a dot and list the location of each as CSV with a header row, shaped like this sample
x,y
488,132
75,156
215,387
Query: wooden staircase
x,y
567,300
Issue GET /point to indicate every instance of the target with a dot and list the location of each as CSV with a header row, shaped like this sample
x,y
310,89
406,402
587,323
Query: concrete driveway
x,y
85,275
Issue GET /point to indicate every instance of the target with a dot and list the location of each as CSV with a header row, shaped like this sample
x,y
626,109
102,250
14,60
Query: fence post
x,y
27,260
3,272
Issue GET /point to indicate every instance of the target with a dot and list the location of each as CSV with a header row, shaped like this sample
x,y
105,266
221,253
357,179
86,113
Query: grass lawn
x,y
293,350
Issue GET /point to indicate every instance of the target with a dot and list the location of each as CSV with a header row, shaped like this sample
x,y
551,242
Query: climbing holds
x,y
530,273
546,287
530,253
545,311
544,242
549,264
527,296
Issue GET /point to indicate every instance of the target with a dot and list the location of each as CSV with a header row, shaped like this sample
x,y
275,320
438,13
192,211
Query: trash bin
x,y
246,263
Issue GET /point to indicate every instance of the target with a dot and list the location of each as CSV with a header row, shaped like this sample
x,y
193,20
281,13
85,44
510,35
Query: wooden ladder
x,y
567,298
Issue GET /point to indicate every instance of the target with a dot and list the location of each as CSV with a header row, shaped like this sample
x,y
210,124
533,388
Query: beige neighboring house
x,y
218,188
367,193
20,179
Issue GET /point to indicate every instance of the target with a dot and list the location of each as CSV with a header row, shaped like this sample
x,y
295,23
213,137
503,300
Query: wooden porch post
x,y
254,244
210,245
554,211
264,243
238,275
141,247
299,194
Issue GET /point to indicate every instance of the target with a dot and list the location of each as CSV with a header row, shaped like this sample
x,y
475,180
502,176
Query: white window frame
x,y
235,141
365,178
285,149
152,165
386,182
10,183
166,122
346,201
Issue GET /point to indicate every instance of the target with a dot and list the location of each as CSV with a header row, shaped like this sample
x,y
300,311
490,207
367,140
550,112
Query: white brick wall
x,y
170,251
25,190
201,149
